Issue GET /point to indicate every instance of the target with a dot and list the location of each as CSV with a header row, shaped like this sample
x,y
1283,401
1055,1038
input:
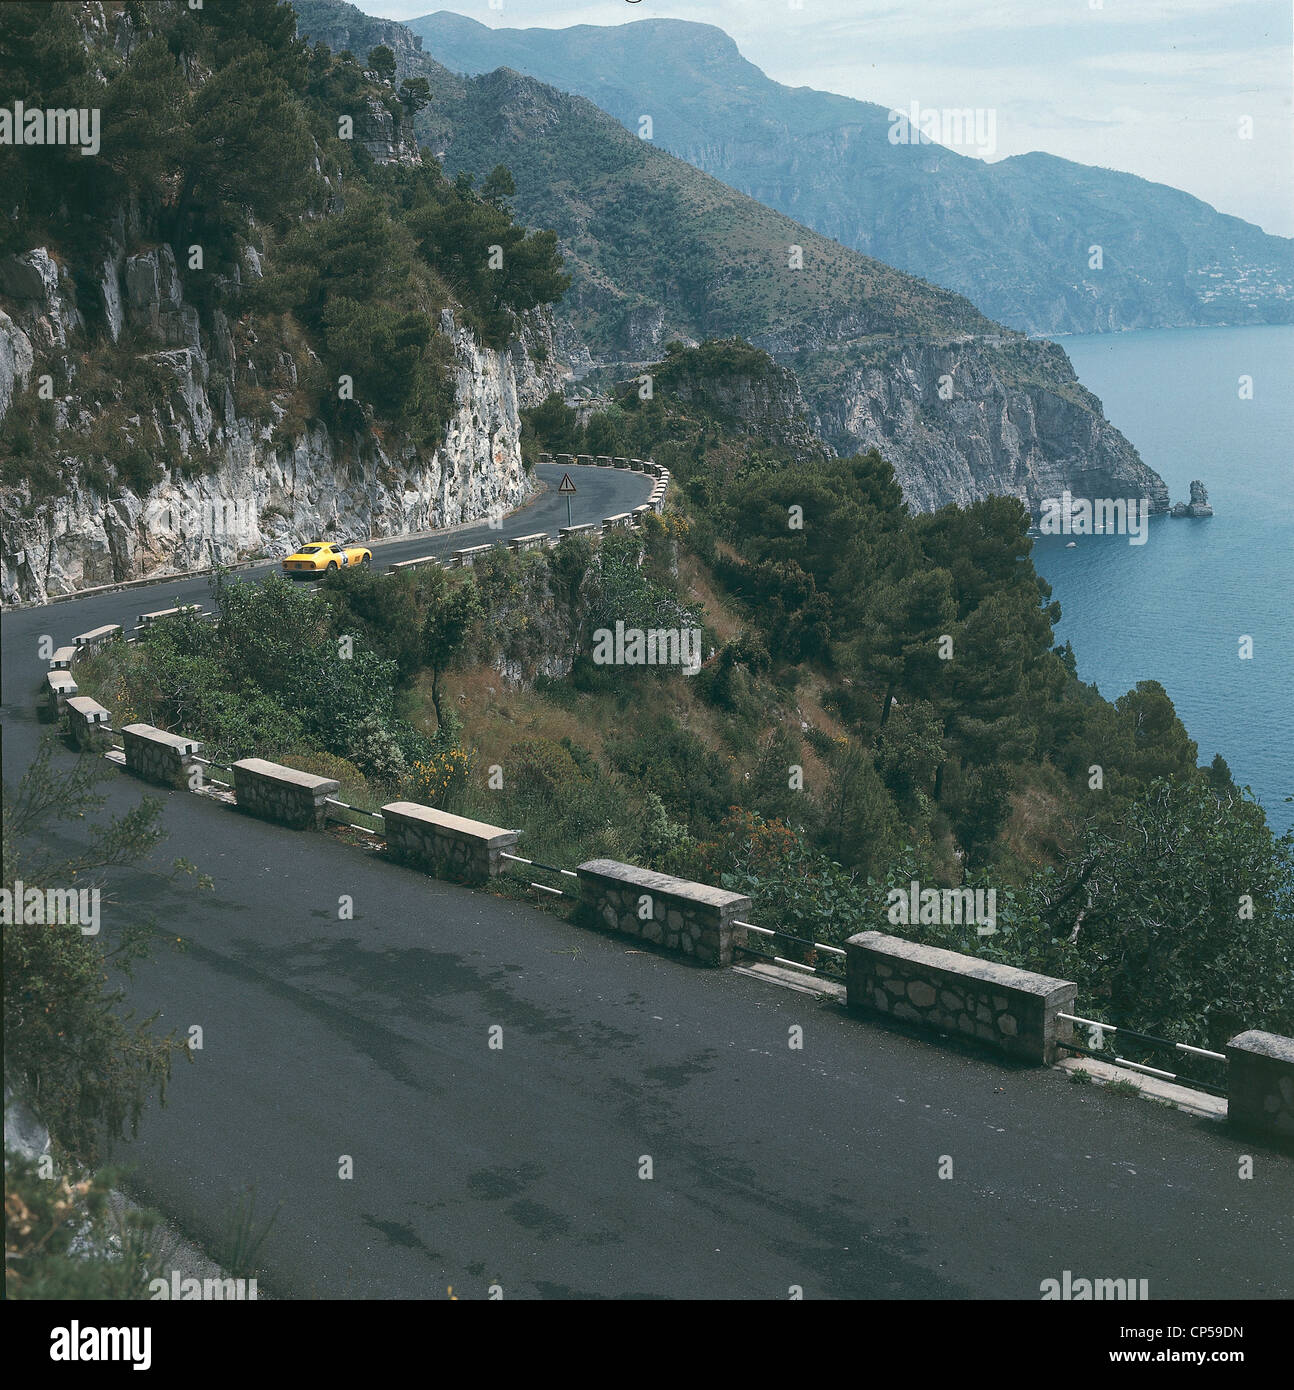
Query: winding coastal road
x,y
524,1166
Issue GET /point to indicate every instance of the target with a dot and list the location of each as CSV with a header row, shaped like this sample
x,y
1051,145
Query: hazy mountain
x,y
660,250
1014,236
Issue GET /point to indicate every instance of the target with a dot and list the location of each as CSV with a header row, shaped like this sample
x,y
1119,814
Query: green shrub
x,y
693,782
65,1240
542,770
375,751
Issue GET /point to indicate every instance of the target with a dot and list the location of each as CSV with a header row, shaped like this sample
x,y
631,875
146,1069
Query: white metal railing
x,y
1103,1028
1097,1038
537,864
781,960
333,801
516,858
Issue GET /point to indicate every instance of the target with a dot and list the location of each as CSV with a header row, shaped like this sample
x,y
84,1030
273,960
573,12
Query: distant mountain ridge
x,y
658,250
1014,237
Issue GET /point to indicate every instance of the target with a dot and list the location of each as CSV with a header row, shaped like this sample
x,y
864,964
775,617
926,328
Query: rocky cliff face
x,y
767,403
342,26
242,485
959,421
154,428
388,141
1199,505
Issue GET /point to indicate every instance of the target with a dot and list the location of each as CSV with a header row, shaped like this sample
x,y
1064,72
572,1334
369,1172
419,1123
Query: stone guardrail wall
x,y
1012,1010
273,792
691,918
447,846
60,683
534,542
1260,1083
467,557
415,564
60,686
87,722
157,756
90,643
148,619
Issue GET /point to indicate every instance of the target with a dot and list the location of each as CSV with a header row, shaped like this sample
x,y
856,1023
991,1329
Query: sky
x,y
1161,88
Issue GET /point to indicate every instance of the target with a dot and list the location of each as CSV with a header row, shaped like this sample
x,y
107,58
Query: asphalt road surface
x,y
525,1166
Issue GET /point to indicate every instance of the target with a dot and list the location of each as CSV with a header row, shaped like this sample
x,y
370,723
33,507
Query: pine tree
x,y
382,61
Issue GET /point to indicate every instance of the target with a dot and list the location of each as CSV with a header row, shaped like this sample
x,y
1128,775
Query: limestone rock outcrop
x,y
1199,503
959,421
238,485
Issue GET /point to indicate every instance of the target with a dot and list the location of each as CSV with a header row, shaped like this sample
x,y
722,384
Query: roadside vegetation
x,y
84,1065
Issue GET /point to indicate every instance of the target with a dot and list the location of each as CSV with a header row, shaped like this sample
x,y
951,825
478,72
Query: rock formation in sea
x,y
1199,503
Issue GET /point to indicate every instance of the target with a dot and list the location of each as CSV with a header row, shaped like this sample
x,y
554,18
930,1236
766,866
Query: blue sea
x,y
1175,608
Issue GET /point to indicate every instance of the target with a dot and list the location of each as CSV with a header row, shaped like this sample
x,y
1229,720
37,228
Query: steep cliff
x,y
744,387
158,417
961,420
240,484
1013,235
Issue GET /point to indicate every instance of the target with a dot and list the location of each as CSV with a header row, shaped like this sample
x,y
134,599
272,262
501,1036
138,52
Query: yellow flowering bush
x,y
439,778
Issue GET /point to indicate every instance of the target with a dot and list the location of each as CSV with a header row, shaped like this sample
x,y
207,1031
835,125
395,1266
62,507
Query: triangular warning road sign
x,y
566,485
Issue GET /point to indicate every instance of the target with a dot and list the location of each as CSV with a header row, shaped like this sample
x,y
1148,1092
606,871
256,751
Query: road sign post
x,y
568,488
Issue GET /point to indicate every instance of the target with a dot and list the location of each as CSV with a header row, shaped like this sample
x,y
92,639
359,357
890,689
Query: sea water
x,y
1215,404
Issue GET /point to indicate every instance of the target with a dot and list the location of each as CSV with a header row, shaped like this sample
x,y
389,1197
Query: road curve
x,y
602,492
523,1166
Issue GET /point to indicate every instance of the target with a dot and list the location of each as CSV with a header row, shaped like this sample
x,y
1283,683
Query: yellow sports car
x,y
321,556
